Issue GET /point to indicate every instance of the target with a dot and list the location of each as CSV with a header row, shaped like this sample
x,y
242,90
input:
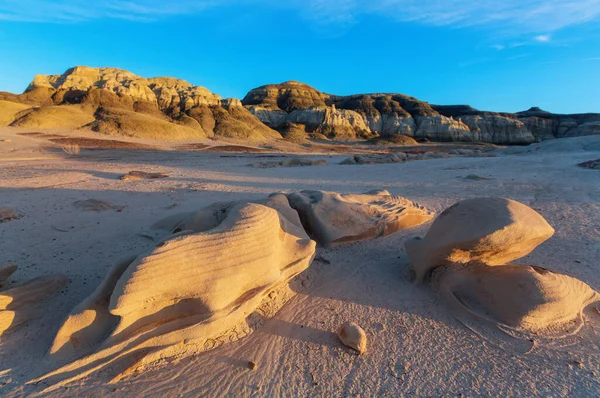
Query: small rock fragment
x,y
96,205
592,164
142,175
7,214
476,177
353,336
251,365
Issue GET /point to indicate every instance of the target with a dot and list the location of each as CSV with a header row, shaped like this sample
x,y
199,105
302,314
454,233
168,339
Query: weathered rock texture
x,y
294,162
22,303
353,336
115,101
466,254
333,219
365,115
494,231
520,296
191,290
7,214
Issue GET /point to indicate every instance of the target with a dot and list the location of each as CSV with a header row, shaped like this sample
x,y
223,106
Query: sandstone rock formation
x,y
353,336
398,139
359,116
333,219
115,101
590,164
20,304
466,255
294,162
143,175
186,292
214,214
52,117
96,205
376,159
9,111
494,231
520,296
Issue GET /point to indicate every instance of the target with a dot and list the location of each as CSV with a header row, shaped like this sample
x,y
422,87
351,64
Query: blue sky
x,y
494,55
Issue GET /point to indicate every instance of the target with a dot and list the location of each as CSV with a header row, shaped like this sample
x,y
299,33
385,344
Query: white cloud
x,y
543,38
518,16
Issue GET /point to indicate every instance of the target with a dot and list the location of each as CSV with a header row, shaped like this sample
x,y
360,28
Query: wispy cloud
x,y
543,38
520,16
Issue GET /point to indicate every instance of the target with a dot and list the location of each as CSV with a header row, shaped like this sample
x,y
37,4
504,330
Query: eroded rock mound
x,y
591,164
22,303
466,254
519,296
494,231
96,205
118,102
190,290
376,159
50,117
212,215
143,175
9,111
294,162
333,219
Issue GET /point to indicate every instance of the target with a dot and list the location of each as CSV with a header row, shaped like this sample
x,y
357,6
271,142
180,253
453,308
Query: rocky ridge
x,y
115,101
367,115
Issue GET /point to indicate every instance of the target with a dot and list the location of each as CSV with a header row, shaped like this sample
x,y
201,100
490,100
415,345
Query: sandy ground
x,y
416,345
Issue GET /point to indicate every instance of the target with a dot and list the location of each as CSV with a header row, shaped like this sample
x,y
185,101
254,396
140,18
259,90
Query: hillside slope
x,y
364,115
118,102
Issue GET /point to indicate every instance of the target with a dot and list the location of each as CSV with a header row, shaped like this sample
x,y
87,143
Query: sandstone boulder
x,y
520,296
333,219
353,336
188,291
493,231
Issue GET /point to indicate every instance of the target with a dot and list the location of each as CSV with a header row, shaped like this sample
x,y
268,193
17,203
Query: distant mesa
x,y
114,101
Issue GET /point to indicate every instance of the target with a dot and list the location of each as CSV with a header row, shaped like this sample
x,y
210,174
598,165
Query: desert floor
x,y
417,346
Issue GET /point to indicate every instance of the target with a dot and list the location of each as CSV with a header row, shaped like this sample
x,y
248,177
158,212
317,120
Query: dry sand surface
x,y
417,345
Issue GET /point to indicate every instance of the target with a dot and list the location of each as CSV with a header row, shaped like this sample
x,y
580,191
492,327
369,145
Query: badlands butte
x,y
116,102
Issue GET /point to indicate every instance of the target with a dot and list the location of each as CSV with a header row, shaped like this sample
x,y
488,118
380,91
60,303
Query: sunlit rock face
x,y
364,115
115,101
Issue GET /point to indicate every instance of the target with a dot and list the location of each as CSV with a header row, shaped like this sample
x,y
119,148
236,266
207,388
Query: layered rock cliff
x,y
356,116
116,101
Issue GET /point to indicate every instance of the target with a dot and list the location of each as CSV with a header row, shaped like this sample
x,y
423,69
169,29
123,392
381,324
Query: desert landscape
x,y
158,240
